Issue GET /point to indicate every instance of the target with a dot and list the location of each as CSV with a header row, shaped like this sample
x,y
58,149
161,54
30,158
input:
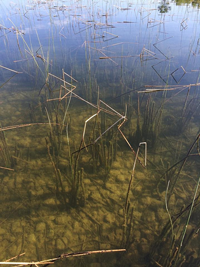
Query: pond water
x,y
100,129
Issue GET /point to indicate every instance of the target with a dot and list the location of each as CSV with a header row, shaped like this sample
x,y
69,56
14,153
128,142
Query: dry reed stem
x,y
89,103
161,22
148,51
114,112
17,72
25,125
61,33
62,86
70,76
120,115
99,50
146,16
148,54
8,169
112,45
26,263
119,128
108,129
111,34
183,69
99,110
106,57
178,87
62,256
122,8
61,80
84,129
22,254
110,110
84,29
22,160
20,60
64,96
125,21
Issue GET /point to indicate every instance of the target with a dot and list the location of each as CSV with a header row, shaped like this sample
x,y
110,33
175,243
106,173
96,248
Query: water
x,y
68,147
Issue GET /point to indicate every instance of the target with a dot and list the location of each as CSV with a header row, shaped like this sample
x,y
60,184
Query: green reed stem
x,y
166,206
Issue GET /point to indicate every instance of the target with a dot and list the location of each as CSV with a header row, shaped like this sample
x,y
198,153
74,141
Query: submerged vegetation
x,y
100,133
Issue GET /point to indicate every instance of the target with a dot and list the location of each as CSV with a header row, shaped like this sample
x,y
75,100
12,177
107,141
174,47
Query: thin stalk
x,y
166,206
188,219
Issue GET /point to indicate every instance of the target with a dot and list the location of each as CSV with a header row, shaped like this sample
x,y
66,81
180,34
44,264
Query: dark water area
x,y
100,129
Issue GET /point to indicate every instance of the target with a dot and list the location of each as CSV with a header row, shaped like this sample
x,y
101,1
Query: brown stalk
x,y
17,72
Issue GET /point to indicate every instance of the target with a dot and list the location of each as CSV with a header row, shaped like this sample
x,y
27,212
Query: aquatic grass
x,y
7,81
126,231
176,247
29,49
187,223
176,244
182,120
167,209
76,176
5,152
183,162
77,190
59,182
58,100
149,118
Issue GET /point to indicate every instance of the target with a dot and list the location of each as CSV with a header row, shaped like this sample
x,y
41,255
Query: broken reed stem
x,y
112,112
64,255
65,82
119,129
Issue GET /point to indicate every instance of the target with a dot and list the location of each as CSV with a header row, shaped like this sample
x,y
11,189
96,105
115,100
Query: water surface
x,y
86,86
